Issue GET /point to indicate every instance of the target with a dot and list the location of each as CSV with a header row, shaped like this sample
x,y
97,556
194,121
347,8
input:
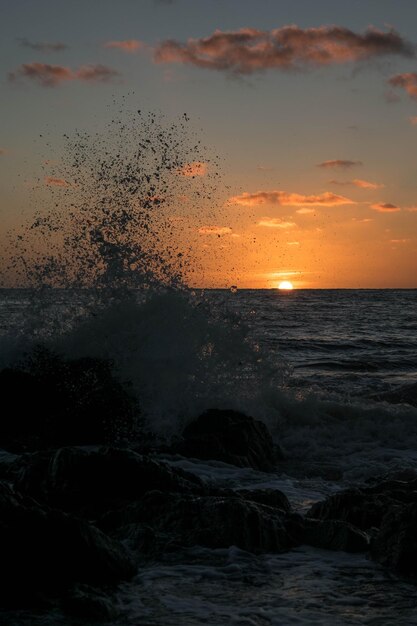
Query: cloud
x,y
385,207
215,230
413,120
407,81
357,182
339,163
128,45
412,209
196,168
56,182
96,73
293,243
366,184
251,50
3,151
283,198
48,75
399,240
306,211
275,222
42,46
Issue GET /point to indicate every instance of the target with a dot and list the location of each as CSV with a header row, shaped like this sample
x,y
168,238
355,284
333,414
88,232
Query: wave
x,y
108,274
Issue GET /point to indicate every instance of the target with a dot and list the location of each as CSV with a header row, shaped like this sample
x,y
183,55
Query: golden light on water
x,y
285,285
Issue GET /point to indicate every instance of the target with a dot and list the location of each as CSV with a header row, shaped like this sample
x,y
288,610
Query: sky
x,y
310,106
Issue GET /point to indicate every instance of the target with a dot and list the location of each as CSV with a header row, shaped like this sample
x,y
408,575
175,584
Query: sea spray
x,y
108,260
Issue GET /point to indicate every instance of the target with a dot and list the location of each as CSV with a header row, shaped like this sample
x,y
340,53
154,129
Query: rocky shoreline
x,y
76,520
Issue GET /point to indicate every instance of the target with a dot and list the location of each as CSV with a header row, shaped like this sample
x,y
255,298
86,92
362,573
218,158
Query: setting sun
x,y
285,285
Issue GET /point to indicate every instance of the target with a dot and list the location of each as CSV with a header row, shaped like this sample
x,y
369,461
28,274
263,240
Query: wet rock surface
x,y
96,480
183,520
231,437
76,521
45,549
388,511
56,402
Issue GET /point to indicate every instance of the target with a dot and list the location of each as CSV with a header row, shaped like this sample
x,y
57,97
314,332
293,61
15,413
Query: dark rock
x,y
334,535
7,464
181,520
395,546
87,603
22,395
44,549
231,437
55,401
271,497
365,507
93,481
361,509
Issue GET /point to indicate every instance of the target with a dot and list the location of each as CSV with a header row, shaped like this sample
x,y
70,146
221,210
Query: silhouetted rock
x,y
231,437
334,535
91,481
181,520
270,497
54,401
361,509
395,546
45,550
365,507
86,603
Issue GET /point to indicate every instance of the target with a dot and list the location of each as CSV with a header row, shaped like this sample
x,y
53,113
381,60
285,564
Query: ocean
x,y
318,367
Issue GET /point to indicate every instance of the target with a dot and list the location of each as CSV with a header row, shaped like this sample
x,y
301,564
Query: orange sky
x,y
311,108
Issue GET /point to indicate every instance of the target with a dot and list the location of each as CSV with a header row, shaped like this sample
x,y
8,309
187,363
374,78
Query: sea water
x,y
338,352
108,274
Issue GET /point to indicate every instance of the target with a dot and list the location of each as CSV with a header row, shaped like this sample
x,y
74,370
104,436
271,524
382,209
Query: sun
x,y
285,285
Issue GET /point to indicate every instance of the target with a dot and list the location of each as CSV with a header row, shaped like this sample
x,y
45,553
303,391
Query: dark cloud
x,y
341,163
52,75
42,46
250,50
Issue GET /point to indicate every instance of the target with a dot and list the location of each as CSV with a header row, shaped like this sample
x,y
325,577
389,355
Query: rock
x,y
43,549
91,482
361,509
365,507
271,497
87,603
21,395
334,535
55,401
395,546
231,437
184,520
7,464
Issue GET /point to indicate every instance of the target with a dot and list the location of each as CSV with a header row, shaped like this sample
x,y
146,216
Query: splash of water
x,y
109,260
